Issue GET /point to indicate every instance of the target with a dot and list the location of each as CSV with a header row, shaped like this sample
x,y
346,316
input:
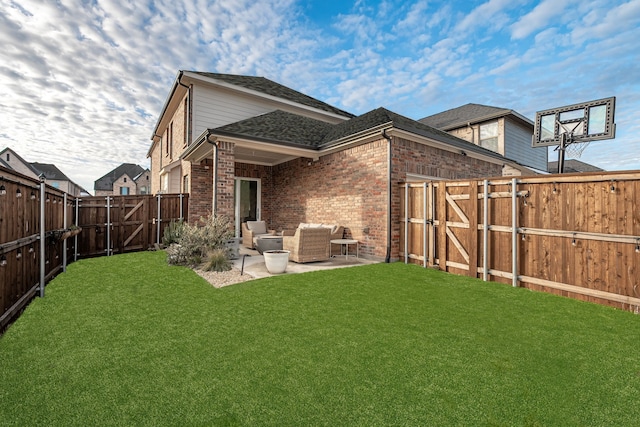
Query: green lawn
x,y
128,340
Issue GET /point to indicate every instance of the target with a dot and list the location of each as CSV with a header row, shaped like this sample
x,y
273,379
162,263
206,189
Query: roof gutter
x,y
387,258
213,140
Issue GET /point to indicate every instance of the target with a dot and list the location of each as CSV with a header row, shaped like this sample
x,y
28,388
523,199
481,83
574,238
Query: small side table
x,y
345,243
268,243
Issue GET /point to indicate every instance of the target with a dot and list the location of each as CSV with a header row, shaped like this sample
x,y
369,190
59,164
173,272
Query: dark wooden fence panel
x,y
20,260
130,222
120,224
576,235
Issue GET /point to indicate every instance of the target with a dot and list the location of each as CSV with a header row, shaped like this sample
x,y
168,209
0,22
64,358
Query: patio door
x,y
247,201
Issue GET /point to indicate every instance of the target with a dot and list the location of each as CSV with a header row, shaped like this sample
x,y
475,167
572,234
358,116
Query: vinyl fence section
x,y
32,250
118,224
576,235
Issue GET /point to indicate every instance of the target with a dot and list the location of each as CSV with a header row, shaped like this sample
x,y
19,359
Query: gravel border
x,y
223,278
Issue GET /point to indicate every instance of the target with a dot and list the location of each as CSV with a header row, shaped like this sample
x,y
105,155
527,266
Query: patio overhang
x,y
253,151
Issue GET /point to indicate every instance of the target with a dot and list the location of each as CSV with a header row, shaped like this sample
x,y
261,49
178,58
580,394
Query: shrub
x,y
198,240
172,232
217,260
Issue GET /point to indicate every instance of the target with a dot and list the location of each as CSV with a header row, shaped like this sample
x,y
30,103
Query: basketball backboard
x,y
587,121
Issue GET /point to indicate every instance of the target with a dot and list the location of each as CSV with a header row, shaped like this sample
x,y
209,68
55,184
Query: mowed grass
x,y
128,340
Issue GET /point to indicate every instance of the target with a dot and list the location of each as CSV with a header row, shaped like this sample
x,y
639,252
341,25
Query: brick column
x,y
226,175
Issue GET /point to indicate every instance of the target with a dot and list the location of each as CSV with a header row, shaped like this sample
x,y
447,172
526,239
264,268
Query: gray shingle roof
x,y
105,183
572,165
269,87
50,171
281,127
460,116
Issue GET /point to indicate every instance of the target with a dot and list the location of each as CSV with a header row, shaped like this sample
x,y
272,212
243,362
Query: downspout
x,y
387,258
213,141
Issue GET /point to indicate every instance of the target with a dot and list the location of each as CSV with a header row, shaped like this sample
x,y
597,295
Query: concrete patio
x,y
255,267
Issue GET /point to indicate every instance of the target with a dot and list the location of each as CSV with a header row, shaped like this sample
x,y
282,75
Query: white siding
x,y
518,146
215,107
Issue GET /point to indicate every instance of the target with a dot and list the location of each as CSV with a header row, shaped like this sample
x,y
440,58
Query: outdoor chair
x,y
307,244
251,230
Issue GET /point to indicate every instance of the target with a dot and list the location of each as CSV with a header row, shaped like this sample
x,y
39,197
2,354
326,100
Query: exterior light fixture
x,y
555,190
18,193
3,190
638,246
19,254
33,195
573,242
613,187
3,261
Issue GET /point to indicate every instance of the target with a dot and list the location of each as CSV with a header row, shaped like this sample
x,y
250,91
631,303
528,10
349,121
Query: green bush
x,y
217,260
198,240
172,232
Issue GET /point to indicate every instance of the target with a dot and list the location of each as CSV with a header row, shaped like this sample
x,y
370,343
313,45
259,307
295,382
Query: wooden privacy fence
x,y
33,220
38,233
575,235
119,224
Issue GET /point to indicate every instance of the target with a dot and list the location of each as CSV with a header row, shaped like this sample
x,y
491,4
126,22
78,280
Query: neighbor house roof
x,y
284,128
105,183
573,165
50,171
470,114
269,87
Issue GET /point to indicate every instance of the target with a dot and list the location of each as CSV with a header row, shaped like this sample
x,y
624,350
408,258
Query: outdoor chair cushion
x,y
257,227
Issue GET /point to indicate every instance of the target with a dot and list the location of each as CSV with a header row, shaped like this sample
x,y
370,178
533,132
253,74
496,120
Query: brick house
x,y
249,148
52,175
502,130
126,179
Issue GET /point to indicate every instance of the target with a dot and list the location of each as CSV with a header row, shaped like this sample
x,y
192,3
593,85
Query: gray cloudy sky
x,y
82,82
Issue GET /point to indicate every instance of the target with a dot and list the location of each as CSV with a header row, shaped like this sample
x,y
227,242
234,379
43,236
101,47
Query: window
x,y
489,136
124,191
186,121
8,157
54,184
185,184
125,179
143,190
169,146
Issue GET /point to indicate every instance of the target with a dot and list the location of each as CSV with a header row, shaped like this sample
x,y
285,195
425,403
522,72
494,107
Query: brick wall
x,y
348,188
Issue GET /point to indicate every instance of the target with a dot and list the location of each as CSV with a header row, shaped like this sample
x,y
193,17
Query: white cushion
x,y
257,227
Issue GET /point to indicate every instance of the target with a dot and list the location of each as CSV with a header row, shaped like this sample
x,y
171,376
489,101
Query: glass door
x,y
247,201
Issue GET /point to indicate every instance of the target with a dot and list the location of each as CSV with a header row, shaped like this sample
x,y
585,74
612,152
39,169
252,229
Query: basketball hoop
x,y
574,151
571,128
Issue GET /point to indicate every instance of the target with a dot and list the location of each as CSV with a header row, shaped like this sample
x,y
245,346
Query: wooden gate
x,y
119,224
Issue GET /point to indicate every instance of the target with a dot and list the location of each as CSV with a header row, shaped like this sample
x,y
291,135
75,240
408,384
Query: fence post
x,y
64,242
158,221
424,224
514,232
75,241
406,222
485,236
43,225
181,210
108,233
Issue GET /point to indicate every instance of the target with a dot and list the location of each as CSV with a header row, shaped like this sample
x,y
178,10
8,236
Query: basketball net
x,y
574,150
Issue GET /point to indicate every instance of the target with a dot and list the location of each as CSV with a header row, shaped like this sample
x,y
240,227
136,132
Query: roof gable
x,y
105,183
470,114
50,171
269,87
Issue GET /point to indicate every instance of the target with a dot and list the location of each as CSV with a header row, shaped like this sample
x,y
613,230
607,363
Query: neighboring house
x,y
497,129
250,148
126,179
572,166
53,176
